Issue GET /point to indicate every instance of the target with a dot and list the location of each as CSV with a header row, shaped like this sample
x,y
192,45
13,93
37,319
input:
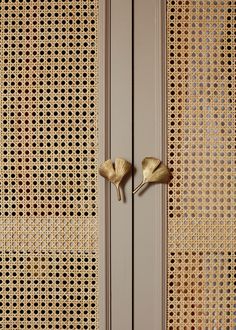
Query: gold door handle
x,y
115,173
153,171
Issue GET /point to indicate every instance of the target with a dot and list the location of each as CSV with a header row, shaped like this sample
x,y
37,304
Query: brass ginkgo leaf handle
x,y
115,173
153,171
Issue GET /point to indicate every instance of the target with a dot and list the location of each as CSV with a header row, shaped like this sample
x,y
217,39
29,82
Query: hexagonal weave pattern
x,y
48,164
201,153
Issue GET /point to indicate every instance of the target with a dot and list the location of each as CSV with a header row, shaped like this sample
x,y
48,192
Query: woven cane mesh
x,y
201,292
48,164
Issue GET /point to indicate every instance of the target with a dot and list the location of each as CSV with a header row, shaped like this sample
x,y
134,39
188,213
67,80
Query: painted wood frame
x,y
121,146
104,153
149,140
133,126
115,141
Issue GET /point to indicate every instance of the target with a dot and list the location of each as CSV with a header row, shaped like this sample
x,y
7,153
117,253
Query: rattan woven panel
x,y
201,152
48,164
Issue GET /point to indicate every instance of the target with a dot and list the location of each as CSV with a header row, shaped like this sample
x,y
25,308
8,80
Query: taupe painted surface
x,y
104,153
115,141
148,141
121,146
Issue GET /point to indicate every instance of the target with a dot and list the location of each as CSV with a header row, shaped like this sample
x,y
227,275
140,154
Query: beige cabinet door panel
x,y
184,113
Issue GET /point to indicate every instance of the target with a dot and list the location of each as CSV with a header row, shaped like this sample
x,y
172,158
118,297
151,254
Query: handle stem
x,y
139,187
118,192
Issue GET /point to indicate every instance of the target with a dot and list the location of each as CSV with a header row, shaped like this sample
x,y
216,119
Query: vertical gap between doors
x,y
132,164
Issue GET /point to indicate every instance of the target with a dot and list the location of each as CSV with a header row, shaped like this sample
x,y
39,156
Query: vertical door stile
x,y
121,146
149,140
104,153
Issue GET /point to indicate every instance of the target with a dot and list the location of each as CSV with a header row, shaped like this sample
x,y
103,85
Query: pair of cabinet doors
x,y
83,81
172,87
135,126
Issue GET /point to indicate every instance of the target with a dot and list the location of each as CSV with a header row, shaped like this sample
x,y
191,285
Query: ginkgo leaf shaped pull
x,y
153,171
115,174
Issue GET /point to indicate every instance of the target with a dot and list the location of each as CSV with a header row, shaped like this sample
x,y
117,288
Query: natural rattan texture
x,y
201,154
48,164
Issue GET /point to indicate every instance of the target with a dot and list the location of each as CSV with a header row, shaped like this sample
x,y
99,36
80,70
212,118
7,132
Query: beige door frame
x,y
121,146
115,141
132,125
149,140
104,153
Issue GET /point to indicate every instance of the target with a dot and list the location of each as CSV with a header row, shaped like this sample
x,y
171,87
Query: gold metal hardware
x,y
153,171
115,174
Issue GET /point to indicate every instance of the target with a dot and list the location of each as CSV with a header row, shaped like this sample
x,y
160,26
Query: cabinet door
x,y
66,106
53,215
184,113
149,140
121,220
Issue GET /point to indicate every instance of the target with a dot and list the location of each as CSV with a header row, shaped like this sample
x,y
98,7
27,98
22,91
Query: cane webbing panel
x,y
201,53
48,164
